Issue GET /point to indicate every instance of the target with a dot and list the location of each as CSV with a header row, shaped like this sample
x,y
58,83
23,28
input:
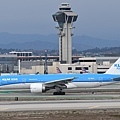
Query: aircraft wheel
x,y
55,93
63,93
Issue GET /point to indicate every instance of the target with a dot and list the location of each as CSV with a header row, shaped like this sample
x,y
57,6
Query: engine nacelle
x,y
70,86
37,88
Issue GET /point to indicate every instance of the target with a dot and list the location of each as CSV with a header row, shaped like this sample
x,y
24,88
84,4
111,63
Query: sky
x,y
97,18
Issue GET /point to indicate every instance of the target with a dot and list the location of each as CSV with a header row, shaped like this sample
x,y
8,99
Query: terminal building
x,y
21,53
91,64
10,63
34,64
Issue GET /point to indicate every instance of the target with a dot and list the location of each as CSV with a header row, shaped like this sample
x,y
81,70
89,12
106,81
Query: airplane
x,y
39,83
58,70
83,71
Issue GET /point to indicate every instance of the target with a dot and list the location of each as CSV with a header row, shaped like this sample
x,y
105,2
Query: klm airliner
x,y
40,83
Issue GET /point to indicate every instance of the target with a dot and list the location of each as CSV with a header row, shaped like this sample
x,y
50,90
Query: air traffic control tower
x,y
65,18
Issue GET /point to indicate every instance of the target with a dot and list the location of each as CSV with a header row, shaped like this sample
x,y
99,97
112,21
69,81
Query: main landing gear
x,y
59,93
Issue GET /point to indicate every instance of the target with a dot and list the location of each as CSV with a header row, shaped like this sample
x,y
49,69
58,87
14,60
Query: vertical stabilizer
x,y
84,70
115,68
58,70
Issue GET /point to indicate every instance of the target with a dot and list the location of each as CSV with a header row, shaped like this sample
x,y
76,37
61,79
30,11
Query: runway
x,y
47,101
59,105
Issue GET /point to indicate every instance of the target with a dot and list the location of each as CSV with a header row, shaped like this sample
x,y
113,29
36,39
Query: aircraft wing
x,y
60,81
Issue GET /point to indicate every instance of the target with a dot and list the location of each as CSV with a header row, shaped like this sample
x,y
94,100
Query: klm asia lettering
x,y
9,79
117,66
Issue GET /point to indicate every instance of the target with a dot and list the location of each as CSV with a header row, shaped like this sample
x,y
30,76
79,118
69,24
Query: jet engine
x,y
37,88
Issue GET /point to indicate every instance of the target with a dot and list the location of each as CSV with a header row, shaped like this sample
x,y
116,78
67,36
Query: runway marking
x,y
92,107
2,109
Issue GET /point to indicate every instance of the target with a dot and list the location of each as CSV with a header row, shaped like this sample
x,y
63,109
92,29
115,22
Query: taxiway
x,y
59,105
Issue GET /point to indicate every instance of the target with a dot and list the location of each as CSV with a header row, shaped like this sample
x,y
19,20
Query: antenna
x,y
66,1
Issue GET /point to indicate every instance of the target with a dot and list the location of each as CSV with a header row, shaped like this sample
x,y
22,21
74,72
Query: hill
x,y
50,42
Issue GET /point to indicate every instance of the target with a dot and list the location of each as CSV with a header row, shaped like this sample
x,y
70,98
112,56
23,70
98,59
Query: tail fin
x,y
58,70
115,68
84,70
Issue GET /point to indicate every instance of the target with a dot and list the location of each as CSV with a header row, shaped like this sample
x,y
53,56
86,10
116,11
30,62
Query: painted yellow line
x,y
2,109
92,107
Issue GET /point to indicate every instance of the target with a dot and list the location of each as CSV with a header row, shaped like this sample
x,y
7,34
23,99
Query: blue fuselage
x,y
18,79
